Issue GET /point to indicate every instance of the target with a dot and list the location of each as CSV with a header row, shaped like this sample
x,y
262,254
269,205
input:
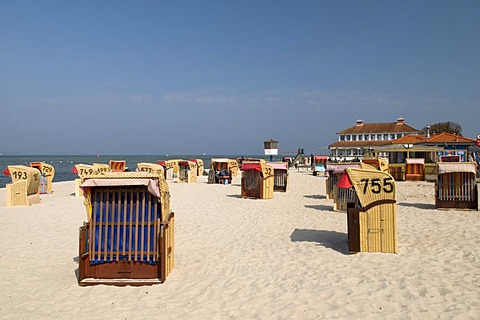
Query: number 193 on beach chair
x,y
129,236
371,218
23,191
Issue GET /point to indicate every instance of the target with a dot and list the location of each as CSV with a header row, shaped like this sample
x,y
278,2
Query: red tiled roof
x,y
449,138
398,126
410,139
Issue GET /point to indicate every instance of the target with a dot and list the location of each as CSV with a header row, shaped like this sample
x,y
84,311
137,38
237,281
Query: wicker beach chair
x,y
456,186
128,238
371,216
319,165
23,190
187,171
415,169
257,180
47,172
220,171
280,175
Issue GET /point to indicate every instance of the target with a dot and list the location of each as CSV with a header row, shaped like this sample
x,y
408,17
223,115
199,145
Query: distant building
x,y
452,144
354,141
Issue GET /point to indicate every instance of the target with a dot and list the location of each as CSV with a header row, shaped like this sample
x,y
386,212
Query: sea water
x,y
64,164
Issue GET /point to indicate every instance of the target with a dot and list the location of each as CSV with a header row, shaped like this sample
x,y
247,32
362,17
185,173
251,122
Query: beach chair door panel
x,y
251,183
121,241
353,221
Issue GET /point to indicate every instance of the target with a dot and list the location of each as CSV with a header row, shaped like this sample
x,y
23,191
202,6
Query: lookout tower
x,y
271,148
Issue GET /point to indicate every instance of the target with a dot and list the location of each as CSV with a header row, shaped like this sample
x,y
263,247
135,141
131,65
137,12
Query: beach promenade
x,y
284,258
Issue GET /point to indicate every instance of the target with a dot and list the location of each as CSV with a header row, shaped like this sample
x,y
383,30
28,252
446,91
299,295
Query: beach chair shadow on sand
x,y
325,238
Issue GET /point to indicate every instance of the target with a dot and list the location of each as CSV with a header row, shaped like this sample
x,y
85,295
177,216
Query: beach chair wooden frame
x,y
128,238
456,186
371,218
23,190
257,180
415,169
280,176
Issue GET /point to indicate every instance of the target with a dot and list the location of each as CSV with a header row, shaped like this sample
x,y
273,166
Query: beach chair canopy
x,y
84,170
102,167
167,164
320,159
45,168
278,165
28,174
415,161
339,168
448,167
153,168
251,166
156,185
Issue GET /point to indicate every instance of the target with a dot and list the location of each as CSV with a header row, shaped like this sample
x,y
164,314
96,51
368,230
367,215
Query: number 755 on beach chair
x,y
128,239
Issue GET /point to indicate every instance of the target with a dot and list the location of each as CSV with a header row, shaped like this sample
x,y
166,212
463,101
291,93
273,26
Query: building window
x,y
385,136
347,137
342,137
354,137
379,137
399,135
392,136
360,137
367,137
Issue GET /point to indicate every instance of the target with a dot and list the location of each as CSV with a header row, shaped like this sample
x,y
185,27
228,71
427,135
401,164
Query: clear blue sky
x,y
220,77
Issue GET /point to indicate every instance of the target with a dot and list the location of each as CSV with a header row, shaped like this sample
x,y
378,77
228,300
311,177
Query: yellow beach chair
x,y
128,238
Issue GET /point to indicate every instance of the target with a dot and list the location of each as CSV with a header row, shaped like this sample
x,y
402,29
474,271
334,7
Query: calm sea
x,y
64,164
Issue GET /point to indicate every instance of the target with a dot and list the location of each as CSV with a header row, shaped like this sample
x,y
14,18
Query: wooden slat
x,y
110,215
136,225
142,230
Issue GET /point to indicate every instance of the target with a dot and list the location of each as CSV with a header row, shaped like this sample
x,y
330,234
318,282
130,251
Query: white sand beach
x,y
285,258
